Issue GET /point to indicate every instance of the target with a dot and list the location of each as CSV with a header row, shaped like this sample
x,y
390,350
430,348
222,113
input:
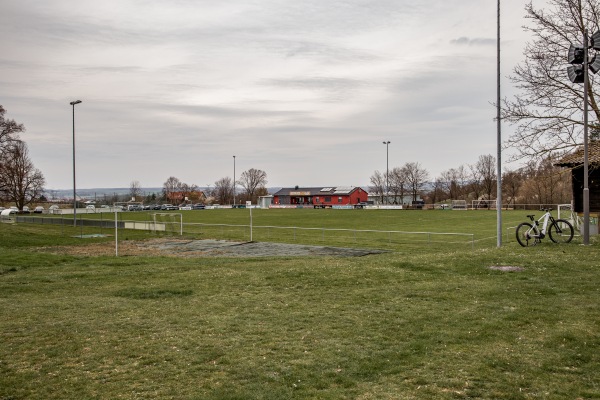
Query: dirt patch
x,y
208,248
507,268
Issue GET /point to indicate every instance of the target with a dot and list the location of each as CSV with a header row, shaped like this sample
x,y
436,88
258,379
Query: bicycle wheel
x,y
524,235
561,231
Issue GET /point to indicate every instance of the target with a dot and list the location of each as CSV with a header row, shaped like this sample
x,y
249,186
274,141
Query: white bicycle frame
x,y
541,233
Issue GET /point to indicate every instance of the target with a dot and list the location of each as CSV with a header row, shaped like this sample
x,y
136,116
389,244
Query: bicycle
x,y
559,230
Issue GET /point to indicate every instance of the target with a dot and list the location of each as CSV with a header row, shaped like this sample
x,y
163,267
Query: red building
x,y
320,197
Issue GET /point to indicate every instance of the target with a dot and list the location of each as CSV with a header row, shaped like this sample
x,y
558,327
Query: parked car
x,y
198,206
25,210
53,207
156,207
38,210
135,207
185,207
169,207
90,207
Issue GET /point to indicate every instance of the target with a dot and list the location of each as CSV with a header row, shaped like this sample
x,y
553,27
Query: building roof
x,y
576,158
316,191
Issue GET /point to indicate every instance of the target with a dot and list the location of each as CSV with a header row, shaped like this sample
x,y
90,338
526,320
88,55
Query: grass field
x,y
440,230
409,324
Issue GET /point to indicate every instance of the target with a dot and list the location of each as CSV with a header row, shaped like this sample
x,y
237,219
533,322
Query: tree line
x,y
538,182
252,182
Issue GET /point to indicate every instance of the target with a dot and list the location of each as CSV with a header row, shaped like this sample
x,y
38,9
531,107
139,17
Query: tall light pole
x,y
578,73
74,185
499,147
387,169
586,189
234,180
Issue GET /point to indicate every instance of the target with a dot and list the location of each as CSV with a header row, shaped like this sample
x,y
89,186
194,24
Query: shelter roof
x,y
576,157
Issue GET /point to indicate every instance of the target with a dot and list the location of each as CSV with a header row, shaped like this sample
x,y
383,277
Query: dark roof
x,y
317,191
576,158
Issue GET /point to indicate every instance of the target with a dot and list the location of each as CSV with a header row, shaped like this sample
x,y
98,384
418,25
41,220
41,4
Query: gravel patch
x,y
224,248
205,248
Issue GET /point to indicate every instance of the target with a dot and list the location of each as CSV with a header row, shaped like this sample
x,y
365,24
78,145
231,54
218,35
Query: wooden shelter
x,y
574,161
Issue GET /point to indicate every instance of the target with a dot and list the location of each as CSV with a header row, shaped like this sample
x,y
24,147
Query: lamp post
x,y
578,56
74,185
498,144
387,169
234,181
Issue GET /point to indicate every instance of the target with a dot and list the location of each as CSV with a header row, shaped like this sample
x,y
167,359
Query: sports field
x,y
413,323
391,230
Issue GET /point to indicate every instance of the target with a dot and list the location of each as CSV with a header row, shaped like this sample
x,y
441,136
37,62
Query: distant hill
x,y
100,193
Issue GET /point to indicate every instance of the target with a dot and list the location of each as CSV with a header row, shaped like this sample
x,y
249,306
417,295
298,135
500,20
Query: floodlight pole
x,y
234,181
387,169
586,190
74,185
498,146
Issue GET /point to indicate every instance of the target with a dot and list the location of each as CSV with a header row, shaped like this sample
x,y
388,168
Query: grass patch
x,y
410,324
408,230
152,293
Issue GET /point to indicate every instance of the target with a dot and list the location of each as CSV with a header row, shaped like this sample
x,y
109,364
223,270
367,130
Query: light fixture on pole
x,y
387,169
74,185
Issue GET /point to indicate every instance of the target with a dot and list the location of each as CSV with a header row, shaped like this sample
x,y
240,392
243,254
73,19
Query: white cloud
x,y
304,90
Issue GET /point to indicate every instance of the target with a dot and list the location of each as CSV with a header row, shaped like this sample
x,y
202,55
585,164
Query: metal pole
x,y
234,180
74,185
499,146
387,169
586,190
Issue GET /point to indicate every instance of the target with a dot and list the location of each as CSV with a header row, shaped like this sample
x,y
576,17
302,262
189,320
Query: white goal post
x,y
483,204
168,222
459,205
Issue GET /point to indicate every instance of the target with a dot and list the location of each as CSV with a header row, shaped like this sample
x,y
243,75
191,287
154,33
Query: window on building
x,y
339,199
327,199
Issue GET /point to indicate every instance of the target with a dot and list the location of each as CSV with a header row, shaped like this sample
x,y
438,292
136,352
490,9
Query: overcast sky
x,y
306,90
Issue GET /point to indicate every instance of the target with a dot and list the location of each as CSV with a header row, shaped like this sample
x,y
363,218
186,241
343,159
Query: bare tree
x,y
377,184
546,183
485,168
397,184
9,130
416,177
511,184
223,191
547,108
135,189
171,187
437,192
251,180
20,181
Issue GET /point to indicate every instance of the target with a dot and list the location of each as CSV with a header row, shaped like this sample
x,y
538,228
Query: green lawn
x,y
409,324
439,230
